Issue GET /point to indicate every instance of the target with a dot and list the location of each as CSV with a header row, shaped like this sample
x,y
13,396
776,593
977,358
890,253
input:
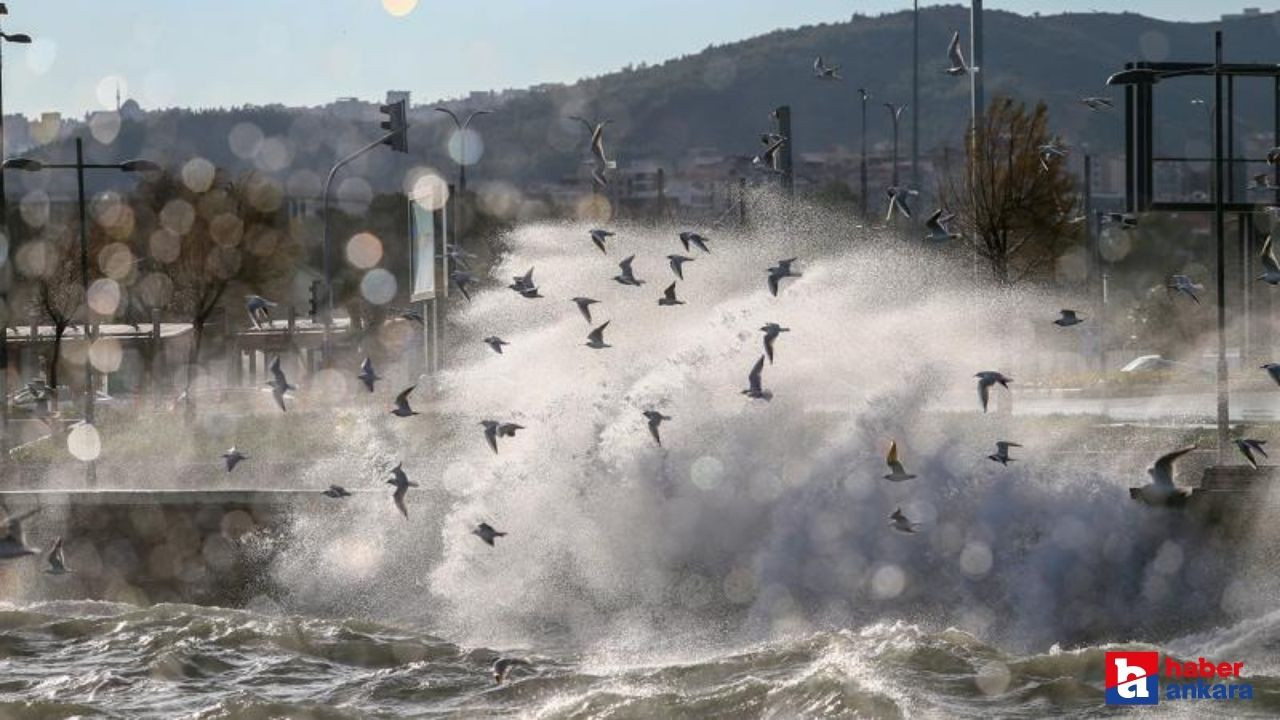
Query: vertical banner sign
x,y
425,233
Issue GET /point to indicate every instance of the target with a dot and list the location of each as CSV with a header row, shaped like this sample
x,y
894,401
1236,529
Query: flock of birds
x,y
1161,491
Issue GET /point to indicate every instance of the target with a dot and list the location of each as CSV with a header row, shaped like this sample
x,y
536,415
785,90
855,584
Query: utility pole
x,y
862,164
976,63
782,125
1219,236
915,96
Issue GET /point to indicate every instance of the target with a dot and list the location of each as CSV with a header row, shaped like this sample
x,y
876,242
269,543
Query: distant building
x,y
1245,14
17,134
350,108
47,129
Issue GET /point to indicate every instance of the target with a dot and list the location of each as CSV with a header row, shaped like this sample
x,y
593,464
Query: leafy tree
x,y
1014,205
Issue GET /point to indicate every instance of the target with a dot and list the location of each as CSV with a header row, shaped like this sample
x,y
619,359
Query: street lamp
x,y
32,165
461,126
895,112
915,95
396,137
21,39
862,165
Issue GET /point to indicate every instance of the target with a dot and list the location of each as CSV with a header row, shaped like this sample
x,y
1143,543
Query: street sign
x,y
427,241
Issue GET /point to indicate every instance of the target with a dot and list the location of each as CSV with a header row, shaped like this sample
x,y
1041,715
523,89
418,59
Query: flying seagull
x,y
584,306
56,559
402,484
823,71
677,264
413,316
1270,269
494,430
601,163
655,419
485,532
1068,318
458,256
1184,285
402,408
778,272
898,201
598,237
233,457
462,279
627,276
503,666
896,472
986,379
936,224
899,522
958,65
1161,491
257,306
278,383
595,338
336,492
1097,103
1261,181
694,239
1126,221
767,160
669,296
523,284
754,389
1049,152
1001,455
367,376
1273,369
14,543
1249,446
771,331
496,343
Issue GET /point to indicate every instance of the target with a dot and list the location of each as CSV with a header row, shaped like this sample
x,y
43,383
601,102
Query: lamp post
x,y
915,95
862,164
21,39
895,112
397,127
977,96
30,165
462,126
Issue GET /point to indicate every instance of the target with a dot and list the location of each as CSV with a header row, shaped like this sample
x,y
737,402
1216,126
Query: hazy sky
x,y
204,53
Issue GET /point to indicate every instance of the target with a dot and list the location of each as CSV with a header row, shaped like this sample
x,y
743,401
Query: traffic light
x,y
396,125
314,310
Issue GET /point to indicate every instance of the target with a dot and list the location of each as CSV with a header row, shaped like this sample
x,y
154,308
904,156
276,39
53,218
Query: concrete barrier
x,y
198,546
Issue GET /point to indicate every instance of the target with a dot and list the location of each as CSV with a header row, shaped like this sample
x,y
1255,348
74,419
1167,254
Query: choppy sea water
x,y
91,659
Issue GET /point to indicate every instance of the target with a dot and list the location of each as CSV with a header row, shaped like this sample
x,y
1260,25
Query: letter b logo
x,y
1132,678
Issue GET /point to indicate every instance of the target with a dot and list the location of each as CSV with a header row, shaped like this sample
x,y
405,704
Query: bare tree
x,y
232,234
1013,199
56,292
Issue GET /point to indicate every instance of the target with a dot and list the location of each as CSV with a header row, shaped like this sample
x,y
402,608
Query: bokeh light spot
x,y
378,286
399,8
83,442
364,250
